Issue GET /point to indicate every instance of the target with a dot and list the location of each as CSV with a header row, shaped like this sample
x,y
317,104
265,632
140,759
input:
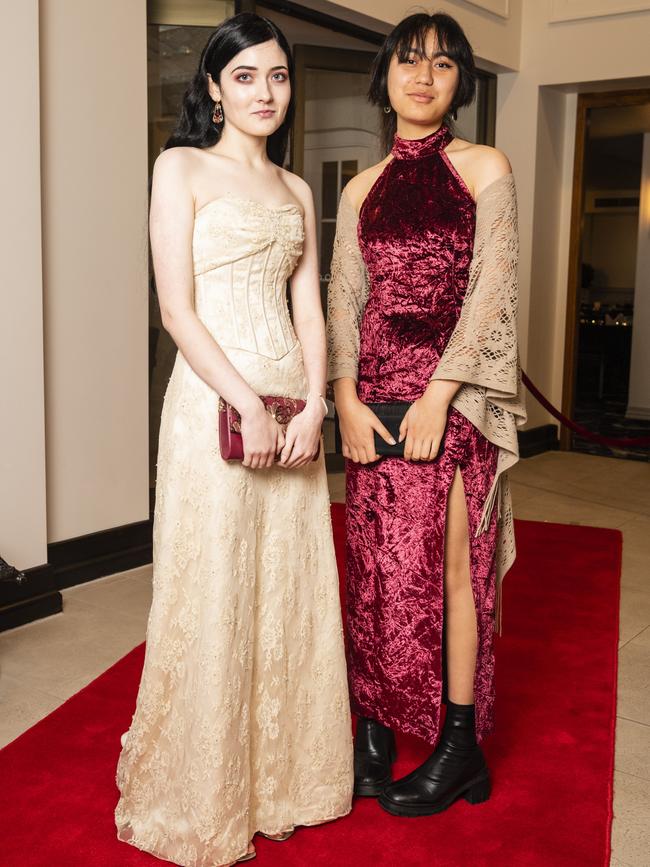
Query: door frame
x,y
319,57
607,99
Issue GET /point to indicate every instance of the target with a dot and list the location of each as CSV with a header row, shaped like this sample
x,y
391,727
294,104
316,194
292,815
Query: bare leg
x,y
456,768
460,611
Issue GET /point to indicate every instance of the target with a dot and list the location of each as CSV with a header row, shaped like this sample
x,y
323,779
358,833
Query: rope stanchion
x,y
643,442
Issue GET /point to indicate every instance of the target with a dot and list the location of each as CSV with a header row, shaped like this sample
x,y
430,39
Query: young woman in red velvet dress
x,y
418,557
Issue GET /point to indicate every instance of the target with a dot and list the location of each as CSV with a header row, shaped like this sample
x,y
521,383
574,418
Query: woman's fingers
x,y
422,450
384,433
408,446
285,456
433,450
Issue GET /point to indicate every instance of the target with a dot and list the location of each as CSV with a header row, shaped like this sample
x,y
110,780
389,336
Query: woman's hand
x,y
358,424
263,437
423,426
302,436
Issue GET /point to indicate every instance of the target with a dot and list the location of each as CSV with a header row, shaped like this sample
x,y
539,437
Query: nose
x,y
264,91
424,73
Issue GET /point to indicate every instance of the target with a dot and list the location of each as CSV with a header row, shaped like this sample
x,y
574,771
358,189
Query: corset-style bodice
x,y
416,233
244,252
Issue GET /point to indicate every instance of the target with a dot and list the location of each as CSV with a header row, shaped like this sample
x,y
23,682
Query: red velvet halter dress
x,y
416,231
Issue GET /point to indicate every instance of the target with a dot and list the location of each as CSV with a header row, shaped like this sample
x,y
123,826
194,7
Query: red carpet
x,y
551,757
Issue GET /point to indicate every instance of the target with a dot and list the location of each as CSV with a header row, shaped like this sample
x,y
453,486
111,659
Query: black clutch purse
x,y
391,415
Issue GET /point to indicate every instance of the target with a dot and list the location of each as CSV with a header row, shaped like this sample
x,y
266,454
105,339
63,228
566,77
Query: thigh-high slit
x,y
396,520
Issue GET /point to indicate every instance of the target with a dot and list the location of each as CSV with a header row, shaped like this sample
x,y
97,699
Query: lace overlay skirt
x,y
242,721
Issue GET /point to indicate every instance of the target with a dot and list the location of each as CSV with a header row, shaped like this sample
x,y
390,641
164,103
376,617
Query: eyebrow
x,y
435,54
255,68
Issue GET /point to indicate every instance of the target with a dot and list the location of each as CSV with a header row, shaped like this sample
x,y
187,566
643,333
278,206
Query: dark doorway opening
x,y
604,315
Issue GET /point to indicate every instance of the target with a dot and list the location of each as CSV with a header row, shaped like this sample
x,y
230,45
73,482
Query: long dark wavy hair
x,y
195,127
412,32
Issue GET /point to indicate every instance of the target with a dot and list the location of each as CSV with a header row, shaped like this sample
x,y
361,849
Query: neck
x,y
409,130
242,147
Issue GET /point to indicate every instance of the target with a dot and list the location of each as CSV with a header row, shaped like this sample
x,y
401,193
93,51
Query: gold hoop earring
x,y
387,109
217,114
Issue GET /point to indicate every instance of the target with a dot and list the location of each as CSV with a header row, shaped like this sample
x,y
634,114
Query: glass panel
x,y
349,168
173,54
204,13
330,188
340,140
613,172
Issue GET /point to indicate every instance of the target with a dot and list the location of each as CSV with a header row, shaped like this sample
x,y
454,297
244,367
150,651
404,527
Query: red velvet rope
x,y
578,428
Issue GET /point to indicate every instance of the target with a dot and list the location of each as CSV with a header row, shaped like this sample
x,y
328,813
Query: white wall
x,y
94,163
639,396
23,530
495,35
608,52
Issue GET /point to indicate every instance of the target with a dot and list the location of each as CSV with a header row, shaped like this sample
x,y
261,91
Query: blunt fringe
x,y
194,127
412,33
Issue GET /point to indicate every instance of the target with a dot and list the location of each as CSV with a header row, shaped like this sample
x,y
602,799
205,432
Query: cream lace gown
x,y
242,719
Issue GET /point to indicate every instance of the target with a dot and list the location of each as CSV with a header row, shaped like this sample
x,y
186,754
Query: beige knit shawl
x,y
482,351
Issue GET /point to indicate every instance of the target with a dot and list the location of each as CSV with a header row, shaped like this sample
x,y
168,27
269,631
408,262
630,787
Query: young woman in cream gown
x,y
242,721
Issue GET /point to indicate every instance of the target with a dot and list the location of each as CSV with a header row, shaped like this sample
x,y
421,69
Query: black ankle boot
x,y
374,754
455,769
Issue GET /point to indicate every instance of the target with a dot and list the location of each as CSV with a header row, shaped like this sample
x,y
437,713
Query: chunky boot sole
x,y
476,791
374,790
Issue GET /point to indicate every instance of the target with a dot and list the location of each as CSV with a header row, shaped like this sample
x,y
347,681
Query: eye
x,y
280,76
244,76
443,64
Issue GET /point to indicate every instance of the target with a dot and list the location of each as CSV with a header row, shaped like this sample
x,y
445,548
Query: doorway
x,y
608,320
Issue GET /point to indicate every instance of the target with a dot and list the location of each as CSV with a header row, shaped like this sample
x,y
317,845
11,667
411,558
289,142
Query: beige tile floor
x,y
43,663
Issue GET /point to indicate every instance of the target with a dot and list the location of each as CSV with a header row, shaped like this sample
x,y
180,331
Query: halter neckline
x,y
416,148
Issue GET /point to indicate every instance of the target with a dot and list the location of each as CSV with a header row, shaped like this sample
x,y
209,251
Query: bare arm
x,y
171,226
303,434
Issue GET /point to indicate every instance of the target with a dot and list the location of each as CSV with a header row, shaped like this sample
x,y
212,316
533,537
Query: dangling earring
x,y
387,109
217,114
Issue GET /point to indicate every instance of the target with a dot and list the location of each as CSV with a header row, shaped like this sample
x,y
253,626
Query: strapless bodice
x,y
243,254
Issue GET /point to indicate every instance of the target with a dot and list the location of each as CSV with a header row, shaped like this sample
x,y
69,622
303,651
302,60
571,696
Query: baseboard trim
x,y
72,562
544,438
85,558
34,597
642,413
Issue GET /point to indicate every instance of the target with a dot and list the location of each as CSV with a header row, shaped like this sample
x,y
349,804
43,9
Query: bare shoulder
x,y
174,174
358,188
175,162
479,164
299,189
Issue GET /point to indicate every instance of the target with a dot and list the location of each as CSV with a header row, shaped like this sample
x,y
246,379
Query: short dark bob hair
x,y
409,34
195,127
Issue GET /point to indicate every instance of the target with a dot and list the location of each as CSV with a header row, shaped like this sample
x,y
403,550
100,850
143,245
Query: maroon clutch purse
x,y
231,444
